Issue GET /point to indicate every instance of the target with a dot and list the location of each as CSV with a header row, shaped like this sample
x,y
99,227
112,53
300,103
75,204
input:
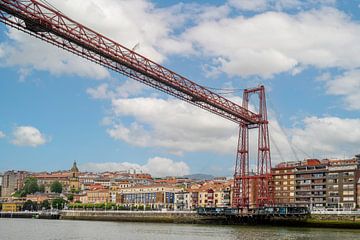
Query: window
x,y
348,198
348,192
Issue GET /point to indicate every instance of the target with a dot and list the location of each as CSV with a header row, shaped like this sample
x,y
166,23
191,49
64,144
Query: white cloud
x,y
275,42
2,135
328,136
30,53
157,166
111,91
249,5
279,5
347,86
171,124
128,22
28,136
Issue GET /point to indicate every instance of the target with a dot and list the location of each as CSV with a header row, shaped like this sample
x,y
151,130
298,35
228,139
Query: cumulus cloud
x,y
29,53
28,136
328,136
157,166
171,124
279,5
131,23
2,135
346,85
273,42
111,91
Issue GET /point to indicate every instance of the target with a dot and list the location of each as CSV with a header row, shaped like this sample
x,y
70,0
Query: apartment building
x,y
342,181
310,183
12,181
155,196
283,183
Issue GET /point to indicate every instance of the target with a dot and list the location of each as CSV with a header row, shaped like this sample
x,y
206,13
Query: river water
x,y
36,229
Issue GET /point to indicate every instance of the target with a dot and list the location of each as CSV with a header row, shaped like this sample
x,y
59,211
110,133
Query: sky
x,y
56,107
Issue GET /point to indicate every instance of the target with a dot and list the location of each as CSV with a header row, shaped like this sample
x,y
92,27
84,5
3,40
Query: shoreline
x,y
314,220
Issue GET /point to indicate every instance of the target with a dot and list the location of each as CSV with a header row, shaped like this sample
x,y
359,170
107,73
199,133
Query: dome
x,y
74,168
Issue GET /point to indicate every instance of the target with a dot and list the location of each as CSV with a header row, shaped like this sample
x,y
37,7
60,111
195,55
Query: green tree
x,y
70,197
42,188
56,187
30,206
45,204
58,203
31,186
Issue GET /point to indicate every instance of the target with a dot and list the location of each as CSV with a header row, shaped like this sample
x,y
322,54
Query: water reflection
x,y
29,229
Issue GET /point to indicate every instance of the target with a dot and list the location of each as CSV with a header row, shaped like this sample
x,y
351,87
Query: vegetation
x,y
56,187
58,203
102,206
30,186
42,188
70,197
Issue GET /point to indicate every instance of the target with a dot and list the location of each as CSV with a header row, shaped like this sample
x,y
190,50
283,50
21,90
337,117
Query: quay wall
x,y
142,216
313,220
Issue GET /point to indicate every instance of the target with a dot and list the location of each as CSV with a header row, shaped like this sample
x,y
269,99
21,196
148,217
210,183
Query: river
x,y
36,229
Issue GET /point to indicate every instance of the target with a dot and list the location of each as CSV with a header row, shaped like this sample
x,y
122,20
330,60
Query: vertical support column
x,y
264,195
241,175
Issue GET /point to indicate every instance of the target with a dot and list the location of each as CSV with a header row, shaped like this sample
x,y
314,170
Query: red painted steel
x,y
50,25
245,182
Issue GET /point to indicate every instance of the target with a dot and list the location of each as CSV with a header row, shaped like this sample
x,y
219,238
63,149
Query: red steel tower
x,y
259,181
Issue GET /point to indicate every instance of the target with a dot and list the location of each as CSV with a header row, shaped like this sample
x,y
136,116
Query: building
x,y
182,201
101,195
283,183
310,183
342,181
74,184
1,178
156,196
47,179
41,197
12,182
214,194
12,206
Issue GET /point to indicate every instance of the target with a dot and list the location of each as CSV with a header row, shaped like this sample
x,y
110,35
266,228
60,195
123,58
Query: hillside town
x,y
316,184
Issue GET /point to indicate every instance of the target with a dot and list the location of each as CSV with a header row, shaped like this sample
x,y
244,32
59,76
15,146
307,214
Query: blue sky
x,y
56,108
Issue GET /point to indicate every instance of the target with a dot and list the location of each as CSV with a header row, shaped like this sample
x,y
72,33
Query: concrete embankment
x,y
314,220
143,216
38,215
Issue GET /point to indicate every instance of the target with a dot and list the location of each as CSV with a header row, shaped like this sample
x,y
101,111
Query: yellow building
x,y
74,178
12,206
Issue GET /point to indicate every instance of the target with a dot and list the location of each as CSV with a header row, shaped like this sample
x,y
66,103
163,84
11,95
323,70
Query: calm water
x,y
29,229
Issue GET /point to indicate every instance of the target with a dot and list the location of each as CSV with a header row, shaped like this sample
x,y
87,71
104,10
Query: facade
x,y
74,184
98,196
153,196
310,183
12,181
12,206
47,179
182,201
283,183
342,184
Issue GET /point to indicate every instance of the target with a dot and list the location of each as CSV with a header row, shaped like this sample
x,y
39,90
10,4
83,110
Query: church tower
x,y
74,178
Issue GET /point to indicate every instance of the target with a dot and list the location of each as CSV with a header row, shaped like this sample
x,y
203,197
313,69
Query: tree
x,y
30,206
70,197
56,187
30,185
58,203
42,188
45,204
